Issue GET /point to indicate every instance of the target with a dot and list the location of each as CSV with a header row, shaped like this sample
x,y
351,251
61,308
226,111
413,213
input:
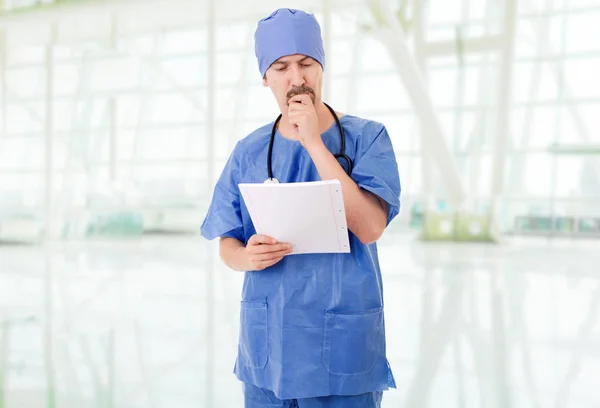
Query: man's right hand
x,y
263,251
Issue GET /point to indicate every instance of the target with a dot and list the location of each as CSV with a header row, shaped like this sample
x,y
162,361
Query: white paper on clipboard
x,y
308,215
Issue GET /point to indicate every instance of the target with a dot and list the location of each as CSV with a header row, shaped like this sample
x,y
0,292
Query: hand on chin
x,y
303,119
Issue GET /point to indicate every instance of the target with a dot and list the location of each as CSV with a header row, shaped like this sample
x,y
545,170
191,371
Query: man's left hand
x,y
303,116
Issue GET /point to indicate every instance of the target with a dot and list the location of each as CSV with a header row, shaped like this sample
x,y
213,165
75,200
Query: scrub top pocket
x,y
254,343
353,342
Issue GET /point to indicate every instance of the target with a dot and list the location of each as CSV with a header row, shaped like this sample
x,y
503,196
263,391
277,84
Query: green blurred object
x,y
417,218
473,228
123,224
537,224
457,226
438,227
564,225
417,215
547,225
575,149
589,225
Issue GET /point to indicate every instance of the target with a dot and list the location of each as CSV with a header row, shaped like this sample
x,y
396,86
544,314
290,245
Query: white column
x,y
327,40
499,339
112,108
354,71
3,104
4,362
504,103
112,154
210,331
392,36
483,103
48,325
241,97
426,162
48,169
111,362
49,131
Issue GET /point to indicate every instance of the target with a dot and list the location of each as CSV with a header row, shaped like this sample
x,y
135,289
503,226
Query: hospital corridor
x,y
464,135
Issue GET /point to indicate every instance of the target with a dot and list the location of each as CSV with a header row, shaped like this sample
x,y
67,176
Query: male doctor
x,y
312,330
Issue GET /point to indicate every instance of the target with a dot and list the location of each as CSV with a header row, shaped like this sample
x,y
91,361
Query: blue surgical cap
x,y
287,32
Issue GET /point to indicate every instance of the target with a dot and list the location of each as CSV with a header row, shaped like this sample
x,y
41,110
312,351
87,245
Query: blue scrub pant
x,y
255,397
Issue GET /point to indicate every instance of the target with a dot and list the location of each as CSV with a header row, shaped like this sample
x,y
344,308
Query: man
x,y
312,330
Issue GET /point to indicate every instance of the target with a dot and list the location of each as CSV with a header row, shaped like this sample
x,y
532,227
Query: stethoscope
x,y
339,155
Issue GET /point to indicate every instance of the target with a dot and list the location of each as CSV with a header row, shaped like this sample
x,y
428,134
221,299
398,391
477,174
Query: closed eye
x,y
284,67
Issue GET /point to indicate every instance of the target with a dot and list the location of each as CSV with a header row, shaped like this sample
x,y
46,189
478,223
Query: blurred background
x,y
116,118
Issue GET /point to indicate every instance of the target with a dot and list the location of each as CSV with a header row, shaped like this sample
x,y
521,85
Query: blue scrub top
x,y
313,324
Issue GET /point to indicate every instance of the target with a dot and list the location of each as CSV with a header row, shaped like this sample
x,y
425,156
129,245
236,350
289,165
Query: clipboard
x,y
308,215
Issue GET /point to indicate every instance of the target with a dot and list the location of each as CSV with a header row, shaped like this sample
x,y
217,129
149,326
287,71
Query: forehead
x,y
290,59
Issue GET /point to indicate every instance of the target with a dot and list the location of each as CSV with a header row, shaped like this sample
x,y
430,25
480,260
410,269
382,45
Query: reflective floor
x,y
153,323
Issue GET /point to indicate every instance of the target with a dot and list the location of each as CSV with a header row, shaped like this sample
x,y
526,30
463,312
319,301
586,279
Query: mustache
x,y
298,90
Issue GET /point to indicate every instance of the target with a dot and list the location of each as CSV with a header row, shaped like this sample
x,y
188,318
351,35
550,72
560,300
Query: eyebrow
x,y
287,62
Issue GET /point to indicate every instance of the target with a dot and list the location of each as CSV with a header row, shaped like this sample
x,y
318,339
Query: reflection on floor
x,y
153,324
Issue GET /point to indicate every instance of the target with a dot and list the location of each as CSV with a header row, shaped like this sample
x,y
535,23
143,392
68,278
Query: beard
x,y
298,90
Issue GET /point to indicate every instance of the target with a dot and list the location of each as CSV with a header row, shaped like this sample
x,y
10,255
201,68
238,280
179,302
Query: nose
x,y
295,76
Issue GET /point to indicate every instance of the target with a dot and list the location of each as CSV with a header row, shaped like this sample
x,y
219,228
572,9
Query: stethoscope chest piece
x,y
271,180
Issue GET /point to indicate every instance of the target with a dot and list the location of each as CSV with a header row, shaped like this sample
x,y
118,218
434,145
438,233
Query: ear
x,y
265,81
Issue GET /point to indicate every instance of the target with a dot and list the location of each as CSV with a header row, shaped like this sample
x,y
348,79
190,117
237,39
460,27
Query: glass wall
x,y
117,109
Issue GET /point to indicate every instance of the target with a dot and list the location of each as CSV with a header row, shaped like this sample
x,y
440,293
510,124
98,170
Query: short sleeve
x,y
376,170
224,218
